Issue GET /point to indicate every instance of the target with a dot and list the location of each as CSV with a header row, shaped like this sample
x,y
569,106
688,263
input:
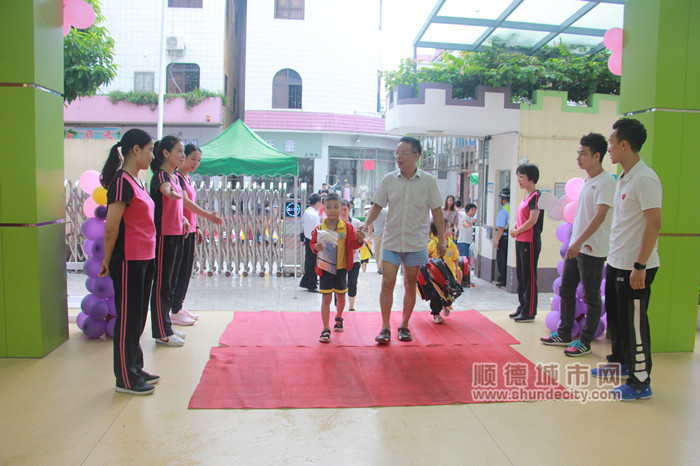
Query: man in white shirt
x,y
411,195
311,220
588,248
632,262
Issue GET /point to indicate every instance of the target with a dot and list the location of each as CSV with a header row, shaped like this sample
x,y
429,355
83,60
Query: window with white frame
x,y
289,9
143,81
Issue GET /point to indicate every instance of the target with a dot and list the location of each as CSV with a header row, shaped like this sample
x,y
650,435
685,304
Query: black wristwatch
x,y
639,266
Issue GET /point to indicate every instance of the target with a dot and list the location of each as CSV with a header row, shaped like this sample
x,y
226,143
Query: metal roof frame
x,y
493,25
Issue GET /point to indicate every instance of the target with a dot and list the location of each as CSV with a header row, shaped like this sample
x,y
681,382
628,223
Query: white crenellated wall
x,y
334,49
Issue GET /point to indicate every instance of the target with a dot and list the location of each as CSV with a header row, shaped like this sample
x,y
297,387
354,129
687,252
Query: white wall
x,y
135,27
503,155
335,49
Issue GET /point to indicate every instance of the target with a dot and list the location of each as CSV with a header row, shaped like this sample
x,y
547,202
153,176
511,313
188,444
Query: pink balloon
x,y
573,188
84,15
613,39
615,63
570,212
89,207
89,181
77,13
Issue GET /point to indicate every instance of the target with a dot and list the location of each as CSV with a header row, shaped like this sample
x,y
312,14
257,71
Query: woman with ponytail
x,y
129,244
171,229
193,155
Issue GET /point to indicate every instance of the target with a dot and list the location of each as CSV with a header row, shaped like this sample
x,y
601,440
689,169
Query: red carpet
x,y
292,370
269,328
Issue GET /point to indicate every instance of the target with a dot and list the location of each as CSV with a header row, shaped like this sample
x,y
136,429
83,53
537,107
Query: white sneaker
x,y
180,319
189,314
172,340
180,334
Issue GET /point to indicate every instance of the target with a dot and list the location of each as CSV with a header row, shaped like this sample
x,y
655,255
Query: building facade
x,y
313,90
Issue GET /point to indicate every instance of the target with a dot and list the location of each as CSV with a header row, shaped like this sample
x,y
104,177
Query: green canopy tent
x,y
239,151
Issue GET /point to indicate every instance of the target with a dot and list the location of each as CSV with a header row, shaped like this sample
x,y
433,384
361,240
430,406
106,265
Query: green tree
x,y
552,68
88,56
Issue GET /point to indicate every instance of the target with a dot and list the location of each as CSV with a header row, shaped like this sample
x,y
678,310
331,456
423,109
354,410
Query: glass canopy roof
x,y
471,24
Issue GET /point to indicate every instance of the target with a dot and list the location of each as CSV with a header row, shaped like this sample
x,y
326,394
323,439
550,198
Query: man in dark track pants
x,y
633,260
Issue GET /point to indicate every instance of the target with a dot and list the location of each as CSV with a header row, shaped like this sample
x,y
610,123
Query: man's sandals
x,y
405,334
338,327
325,336
383,337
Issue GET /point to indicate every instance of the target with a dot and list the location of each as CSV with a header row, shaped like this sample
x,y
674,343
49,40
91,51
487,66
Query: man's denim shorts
x,y
409,259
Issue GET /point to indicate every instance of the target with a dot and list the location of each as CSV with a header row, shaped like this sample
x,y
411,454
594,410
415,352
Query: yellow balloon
x,y
100,195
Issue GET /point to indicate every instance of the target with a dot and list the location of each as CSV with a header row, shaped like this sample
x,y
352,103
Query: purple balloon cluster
x,y
553,318
97,308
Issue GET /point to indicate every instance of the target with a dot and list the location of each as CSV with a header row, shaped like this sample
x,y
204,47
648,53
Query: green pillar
x,y
33,305
660,70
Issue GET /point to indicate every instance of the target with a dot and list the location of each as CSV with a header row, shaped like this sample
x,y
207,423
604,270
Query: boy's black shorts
x,y
330,282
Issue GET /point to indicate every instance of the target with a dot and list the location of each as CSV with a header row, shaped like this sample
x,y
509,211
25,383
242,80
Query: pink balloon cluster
x,y
613,42
78,13
568,204
97,308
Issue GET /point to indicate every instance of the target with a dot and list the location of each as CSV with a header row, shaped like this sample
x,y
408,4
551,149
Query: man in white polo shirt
x,y
411,194
632,262
588,248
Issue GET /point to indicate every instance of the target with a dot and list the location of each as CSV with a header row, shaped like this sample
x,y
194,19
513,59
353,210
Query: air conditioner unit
x,y
174,43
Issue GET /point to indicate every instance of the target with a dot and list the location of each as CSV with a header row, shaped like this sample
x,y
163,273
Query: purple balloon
x,y
93,228
581,308
564,232
579,290
101,212
80,318
563,249
602,286
551,320
556,303
90,284
87,247
94,328
92,267
99,310
555,285
104,287
560,267
602,306
87,303
98,248
110,327
112,306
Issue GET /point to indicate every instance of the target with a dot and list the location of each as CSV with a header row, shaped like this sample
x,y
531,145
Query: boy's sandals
x,y
325,336
405,334
338,327
437,318
383,337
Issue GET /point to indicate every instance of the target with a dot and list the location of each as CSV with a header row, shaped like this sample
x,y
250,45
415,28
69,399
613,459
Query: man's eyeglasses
x,y
403,154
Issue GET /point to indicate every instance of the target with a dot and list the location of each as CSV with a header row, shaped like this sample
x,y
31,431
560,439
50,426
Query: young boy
x,y
335,242
527,231
450,258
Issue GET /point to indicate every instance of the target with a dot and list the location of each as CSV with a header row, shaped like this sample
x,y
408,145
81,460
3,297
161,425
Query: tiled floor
x,y
62,409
